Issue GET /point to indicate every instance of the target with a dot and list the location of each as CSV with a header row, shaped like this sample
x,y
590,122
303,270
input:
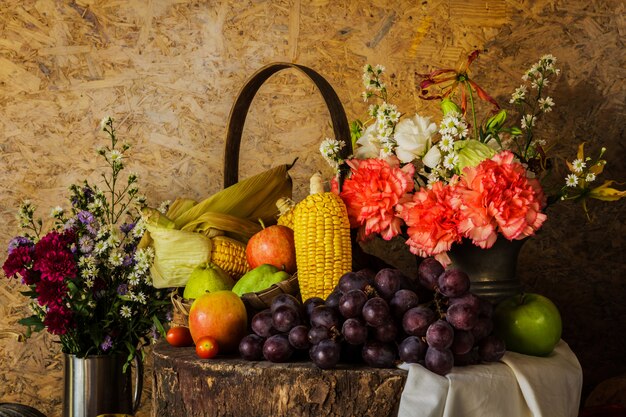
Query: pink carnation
x,y
372,192
497,196
432,220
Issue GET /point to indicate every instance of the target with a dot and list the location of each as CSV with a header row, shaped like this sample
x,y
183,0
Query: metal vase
x,y
492,271
96,385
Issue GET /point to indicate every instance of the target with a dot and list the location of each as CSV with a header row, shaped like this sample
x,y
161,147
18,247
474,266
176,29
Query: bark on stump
x,y
186,386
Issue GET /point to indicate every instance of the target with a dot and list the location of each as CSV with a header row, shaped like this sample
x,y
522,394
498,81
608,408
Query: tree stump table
x,y
187,386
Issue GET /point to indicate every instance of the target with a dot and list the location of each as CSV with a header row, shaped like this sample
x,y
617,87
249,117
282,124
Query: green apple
x,y
528,323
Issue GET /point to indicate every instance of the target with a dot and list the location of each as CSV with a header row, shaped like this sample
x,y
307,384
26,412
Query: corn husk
x,y
251,199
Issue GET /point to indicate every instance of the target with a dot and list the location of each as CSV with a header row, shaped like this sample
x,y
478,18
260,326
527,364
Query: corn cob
x,y
230,255
285,211
322,238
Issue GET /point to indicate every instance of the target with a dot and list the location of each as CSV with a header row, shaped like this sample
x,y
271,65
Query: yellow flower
x,y
606,193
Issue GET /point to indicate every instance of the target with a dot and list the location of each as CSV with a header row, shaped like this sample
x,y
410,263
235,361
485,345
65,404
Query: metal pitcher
x,y
96,385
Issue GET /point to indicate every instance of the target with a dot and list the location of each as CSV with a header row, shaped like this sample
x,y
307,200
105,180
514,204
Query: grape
x,y
402,301
412,349
333,299
491,349
440,335
285,299
428,272
387,282
439,361
482,328
326,354
261,323
285,318
453,283
379,355
325,316
277,348
386,332
299,337
351,303
352,281
368,274
463,342
469,358
468,298
251,347
310,304
354,331
317,334
462,316
416,320
376,312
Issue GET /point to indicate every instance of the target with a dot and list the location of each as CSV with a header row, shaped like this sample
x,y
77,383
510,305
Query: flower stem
x,y
471,97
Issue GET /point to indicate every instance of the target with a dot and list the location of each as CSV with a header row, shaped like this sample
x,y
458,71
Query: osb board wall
x,y
169,71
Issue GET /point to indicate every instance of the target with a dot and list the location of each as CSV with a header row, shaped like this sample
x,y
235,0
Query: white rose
x,y
414,137
432,157
368,144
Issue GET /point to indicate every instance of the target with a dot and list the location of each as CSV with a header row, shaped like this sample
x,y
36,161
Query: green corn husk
x,y
176,254
252,199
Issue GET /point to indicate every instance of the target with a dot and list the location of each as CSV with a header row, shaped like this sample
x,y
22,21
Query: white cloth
x,y
518,386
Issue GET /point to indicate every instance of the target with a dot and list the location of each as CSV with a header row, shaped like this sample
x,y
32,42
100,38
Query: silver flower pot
x,y
493,271
96,385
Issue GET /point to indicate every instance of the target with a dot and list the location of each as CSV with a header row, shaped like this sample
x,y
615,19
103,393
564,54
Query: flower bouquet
x,y
88,279
463,178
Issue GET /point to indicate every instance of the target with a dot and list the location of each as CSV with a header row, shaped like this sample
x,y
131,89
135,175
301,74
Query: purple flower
x,y
122,289
85,243
19,241
85,217
127,227
107,344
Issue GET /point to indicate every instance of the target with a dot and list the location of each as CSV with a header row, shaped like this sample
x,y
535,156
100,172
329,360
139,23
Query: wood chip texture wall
x,y
169,70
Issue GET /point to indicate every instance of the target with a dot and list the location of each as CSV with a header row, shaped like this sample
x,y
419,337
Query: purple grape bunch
x,y
380,318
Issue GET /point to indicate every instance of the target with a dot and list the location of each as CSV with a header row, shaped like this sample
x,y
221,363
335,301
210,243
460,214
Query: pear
x,y
207,277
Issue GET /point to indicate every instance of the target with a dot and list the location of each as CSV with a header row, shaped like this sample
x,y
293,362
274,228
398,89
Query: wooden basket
x,y
236,121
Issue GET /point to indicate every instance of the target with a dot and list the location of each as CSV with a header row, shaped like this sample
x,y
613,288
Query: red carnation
x,y
18,262
58,320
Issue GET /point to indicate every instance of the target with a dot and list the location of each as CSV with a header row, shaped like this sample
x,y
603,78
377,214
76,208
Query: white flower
x,y
591,177
115,155
450,160
369,145
578,165
432,158
116,258
164,206
546,104
413,137
571,180
446,143
528,121
105,120
57,211
100,247
519,94
126,312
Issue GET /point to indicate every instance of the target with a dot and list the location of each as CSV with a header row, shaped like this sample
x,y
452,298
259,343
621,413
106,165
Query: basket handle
x,y
238,112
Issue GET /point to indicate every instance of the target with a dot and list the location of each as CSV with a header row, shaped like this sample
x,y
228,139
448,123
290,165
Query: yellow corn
x,y
285,207
322,238
230,255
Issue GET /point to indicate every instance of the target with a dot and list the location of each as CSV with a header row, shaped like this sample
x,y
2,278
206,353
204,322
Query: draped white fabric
x,y
518,386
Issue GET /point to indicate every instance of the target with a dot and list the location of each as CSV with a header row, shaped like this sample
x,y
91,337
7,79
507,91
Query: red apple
x,y
220,315
272,245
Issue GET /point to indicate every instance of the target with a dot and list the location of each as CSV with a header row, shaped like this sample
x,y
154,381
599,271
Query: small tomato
x,y
206,347
179,336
